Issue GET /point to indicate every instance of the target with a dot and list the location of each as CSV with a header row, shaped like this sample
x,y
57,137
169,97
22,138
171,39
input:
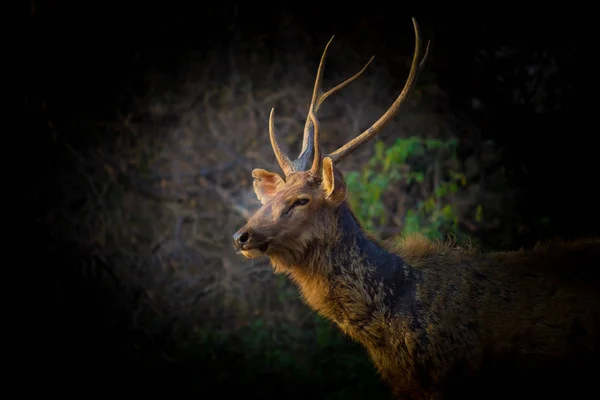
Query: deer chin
x,y
255,251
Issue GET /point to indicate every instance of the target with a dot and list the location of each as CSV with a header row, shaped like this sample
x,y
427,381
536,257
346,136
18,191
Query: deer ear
x,y
333,183
266,184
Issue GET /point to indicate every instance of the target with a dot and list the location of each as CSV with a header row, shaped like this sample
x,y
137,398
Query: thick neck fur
x,y
352,280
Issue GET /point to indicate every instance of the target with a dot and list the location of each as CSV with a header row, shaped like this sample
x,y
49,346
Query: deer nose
x,y
240,239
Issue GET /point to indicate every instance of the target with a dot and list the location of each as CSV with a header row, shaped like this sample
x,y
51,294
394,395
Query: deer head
x,y
298,208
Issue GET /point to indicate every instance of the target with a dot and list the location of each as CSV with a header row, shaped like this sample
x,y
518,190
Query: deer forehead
x,y
296,184
301,178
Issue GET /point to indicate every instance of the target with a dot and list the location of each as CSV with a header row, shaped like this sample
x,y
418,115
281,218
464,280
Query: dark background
x,y
521,82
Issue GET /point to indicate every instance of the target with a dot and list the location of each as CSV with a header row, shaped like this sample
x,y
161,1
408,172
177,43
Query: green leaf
x,y
379,150
479,213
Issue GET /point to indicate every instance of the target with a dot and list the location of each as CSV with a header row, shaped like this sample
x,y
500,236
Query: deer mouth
x,y
255,250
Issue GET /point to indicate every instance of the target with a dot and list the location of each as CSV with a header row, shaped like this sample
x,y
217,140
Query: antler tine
x,y
343,84
368,134
317,160
282,159
309,142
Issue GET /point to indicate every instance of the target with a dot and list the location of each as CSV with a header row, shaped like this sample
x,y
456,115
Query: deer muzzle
x,y
250,243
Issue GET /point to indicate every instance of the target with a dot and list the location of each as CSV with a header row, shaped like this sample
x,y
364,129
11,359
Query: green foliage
x,y
425,168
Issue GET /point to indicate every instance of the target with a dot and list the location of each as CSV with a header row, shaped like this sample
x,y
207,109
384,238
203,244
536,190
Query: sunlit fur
x,y
438,320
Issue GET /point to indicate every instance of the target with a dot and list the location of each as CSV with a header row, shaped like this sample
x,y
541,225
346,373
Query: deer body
x,y
431,315
438,321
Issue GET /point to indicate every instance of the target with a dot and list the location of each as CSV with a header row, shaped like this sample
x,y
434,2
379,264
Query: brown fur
x,y
439,321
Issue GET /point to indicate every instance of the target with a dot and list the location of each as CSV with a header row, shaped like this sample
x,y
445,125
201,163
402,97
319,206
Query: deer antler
x,y
284,161
318,97
308,143
368,134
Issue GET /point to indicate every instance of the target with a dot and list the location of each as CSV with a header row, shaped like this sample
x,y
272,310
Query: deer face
x,y
298,212
294,213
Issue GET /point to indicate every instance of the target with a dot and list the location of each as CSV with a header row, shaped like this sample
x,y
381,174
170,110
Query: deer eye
x,y
300,202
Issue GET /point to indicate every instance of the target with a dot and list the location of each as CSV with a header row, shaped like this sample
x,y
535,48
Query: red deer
x,y
439,321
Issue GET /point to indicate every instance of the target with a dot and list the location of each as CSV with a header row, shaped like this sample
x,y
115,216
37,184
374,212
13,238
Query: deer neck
x,y
354,281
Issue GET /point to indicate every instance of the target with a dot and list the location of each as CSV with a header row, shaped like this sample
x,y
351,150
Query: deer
x,y
438,320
